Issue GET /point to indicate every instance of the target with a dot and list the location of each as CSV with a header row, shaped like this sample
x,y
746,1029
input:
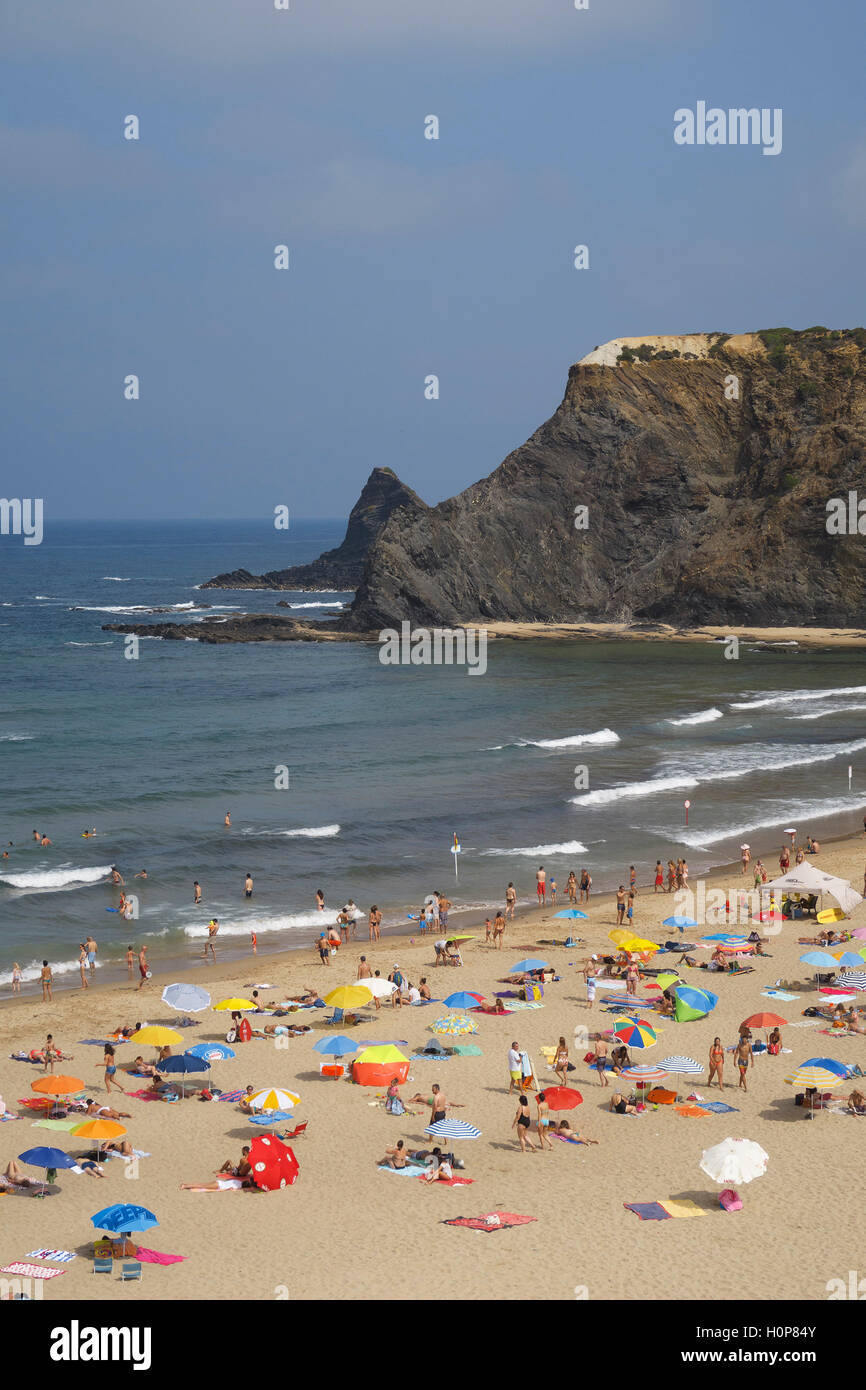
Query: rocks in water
x,y
342,568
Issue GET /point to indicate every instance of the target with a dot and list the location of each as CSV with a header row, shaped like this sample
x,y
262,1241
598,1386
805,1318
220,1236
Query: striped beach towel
x,y
61,1257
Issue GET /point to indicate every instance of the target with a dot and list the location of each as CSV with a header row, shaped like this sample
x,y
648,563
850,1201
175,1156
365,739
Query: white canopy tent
x,y
805,878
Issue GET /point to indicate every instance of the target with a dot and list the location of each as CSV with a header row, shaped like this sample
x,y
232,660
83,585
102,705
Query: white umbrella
x,y
187,999
682,1066
378,988
735,1161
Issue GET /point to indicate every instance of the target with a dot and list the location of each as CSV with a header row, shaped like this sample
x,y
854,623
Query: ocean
x,y
569,754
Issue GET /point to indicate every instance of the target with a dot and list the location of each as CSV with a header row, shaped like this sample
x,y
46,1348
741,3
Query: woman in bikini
x,y
672,875
396,1157
543,1120
620,1106
571,887
717,1062
521,1122
109,1064
560,1061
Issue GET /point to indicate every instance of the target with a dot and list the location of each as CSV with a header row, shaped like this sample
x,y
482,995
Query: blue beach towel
x,y
719,1107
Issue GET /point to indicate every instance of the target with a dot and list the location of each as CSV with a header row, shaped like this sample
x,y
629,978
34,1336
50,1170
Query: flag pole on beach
x,y
455,850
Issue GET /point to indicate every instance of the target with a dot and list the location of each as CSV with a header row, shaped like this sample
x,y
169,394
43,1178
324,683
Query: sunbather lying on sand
x,y
564,1131
13,1175
221,1185
620,1106
142,1068
106,1111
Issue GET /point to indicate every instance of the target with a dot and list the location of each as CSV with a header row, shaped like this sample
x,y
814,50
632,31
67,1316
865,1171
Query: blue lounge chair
x,y
101,1265
131,1270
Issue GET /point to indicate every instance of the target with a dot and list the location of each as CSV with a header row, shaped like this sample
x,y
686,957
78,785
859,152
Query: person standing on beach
x,y
375,922
82,966
47,979
745,1058
514,1068
632,878
498,930
541,885
142,965
439,1107
585,885
445,906
196,889
323,949
110,1065
511,900
571,887
589,976
213,927
659,878
600,1059
745,856
630,908
620,904
521,1122
130,960
717,1062
542,1119
784,860
364,971
16,977
248,885
91,948
552,890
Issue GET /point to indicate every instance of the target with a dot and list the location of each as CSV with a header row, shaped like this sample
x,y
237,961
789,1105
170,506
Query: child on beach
x,y
16,978
551,888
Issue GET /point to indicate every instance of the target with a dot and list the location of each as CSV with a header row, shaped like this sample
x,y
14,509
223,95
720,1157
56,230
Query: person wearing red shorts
x,y
541,884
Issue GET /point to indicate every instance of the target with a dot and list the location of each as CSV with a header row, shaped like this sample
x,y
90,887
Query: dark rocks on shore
x,y
246,627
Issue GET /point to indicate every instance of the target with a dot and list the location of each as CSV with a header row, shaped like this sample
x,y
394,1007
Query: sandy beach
x,y
348,1230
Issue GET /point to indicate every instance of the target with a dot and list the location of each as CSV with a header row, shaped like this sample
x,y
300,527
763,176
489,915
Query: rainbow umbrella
x,y
463,999
636,1034
643,1076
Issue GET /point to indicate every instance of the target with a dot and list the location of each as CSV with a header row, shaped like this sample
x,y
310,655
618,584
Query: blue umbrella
x,y
828,1064
680,922
571,912
122,1218
184,1064
210,1052
851,958
699,999
339,1046
529,964
46,1157
462,1000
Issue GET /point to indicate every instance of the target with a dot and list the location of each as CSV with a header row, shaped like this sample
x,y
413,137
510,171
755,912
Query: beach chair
x,y
102,1264
296,1132
335,1069
130,1270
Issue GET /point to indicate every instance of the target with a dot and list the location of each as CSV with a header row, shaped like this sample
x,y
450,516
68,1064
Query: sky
x,y
408,257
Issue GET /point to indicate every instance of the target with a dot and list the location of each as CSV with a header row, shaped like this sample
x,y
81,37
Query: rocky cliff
x,y
705,463
342,568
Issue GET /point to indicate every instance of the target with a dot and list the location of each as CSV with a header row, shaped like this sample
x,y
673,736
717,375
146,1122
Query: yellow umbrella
x,y
637,943
619,936
465,936
272,1098
386,1053
158,1037
235,1005
348,997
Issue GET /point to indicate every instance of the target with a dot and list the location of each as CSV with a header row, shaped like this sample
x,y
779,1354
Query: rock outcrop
x,y
342,568
706,464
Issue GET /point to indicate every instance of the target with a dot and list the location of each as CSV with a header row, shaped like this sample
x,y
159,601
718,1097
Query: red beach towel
x,y
153,1257
483,1223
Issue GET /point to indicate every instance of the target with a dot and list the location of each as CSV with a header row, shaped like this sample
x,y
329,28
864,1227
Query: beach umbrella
x,y
463,999
860,933
182,1066
636,1035
763,1020
828,1064
46,1157
464,936
771,916
379,988
738,948
619,936
349,996
637,946
98,1129
453,1129
573,913
529,964
380,1054
853,979
691,1003
272,1162
454,1024
682,1066
57,1085
643,1076
735,1161
667,978
211,1052
156,1036
562,1097
814,1076
236,1006
680,922
338,1046
273,1098
122,1219
822,959
187,999
849,958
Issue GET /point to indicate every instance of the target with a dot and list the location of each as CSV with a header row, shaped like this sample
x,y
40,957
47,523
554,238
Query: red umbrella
x,y
763,1021
562,1097
273,1163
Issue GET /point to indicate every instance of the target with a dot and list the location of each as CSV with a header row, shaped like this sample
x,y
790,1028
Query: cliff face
x,y
343,567
701,508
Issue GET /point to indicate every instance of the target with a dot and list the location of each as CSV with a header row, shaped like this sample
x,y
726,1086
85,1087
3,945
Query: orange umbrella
x,y
763,1021
58,1085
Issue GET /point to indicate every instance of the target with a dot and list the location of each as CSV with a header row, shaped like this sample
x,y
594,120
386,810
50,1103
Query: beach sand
x,y
348,1231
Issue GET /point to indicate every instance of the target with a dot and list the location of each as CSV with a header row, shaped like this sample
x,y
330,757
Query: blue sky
x,y
408,256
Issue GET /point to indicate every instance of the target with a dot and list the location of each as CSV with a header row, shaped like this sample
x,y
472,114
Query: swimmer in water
x,y
228,819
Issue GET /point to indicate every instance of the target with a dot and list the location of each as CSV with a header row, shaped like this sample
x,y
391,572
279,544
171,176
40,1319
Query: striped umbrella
x,y
643,1076
735,948
814,1076
453,1129
829,1064
636,1035
682,1066
272,1098
854,979
454,1024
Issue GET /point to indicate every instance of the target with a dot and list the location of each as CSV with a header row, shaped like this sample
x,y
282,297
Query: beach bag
x,y
589,1056
730,1200
532,993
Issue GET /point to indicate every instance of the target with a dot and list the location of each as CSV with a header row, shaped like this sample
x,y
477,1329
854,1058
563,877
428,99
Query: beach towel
x,y
467,1050
153,1257
779,994
31,1271
720,1108
100,1042
648,1211
684,1207
231,1095
490,1221
61,1257
143,1095
56,1124
413,1169
448,1182
659,1096
523,1004
691,1112
7,1116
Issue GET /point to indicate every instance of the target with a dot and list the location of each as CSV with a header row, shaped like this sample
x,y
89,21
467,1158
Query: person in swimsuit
x,y
585,885
82,965
106,1112
717,1062
620,904
745,1058
620,1106
659,878
394,1158
672,876
16,977
560,1061
774,1042
543,1119
248,886
47,978
600,1063
375,922
521,1122
213,927
439,1106
571,887
541,884
564,1131
221,1185
142,966
320,900
510,901
439,1167
498,930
